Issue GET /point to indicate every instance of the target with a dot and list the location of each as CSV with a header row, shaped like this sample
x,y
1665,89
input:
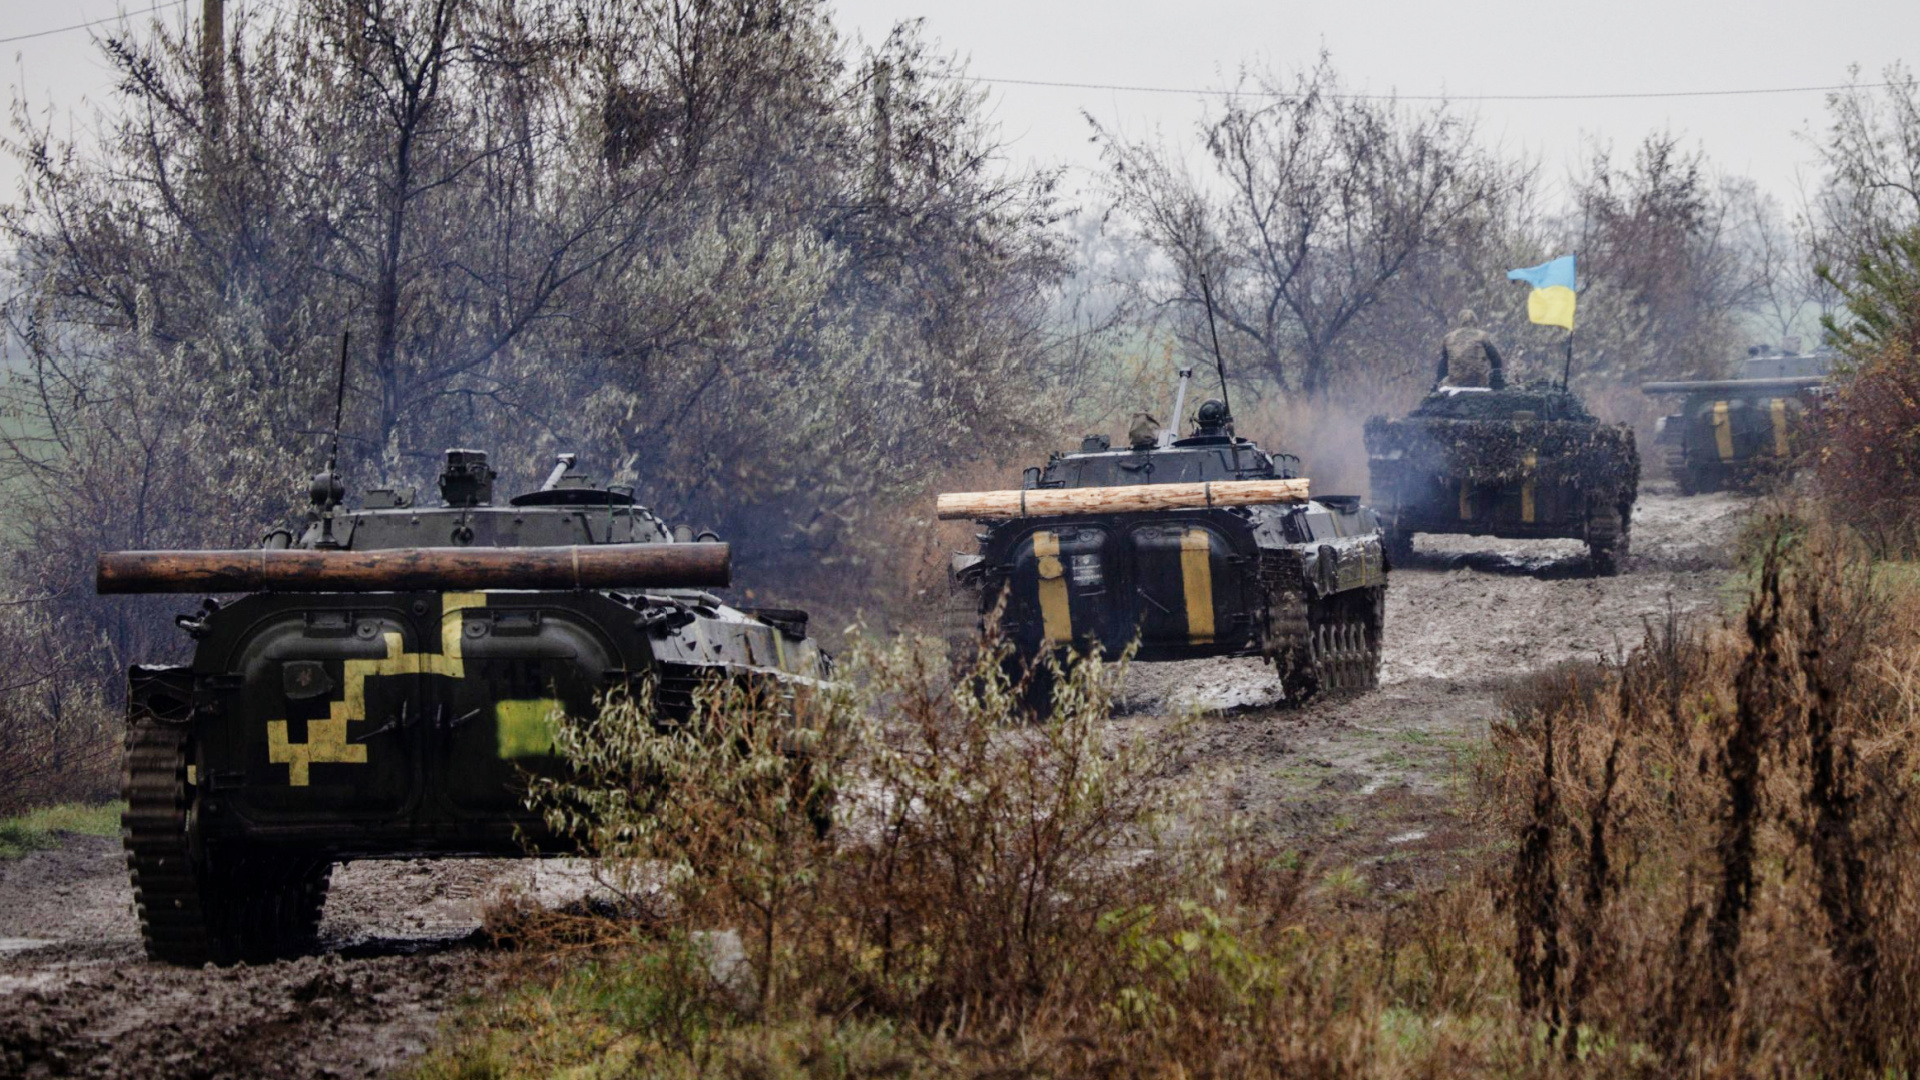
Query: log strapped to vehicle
x,y
449,569
1054,502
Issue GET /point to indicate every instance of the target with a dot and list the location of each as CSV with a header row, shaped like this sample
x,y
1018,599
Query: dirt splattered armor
x,y
1527,462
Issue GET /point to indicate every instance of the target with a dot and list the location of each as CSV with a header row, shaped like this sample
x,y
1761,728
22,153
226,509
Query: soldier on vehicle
x,y
1212,421
1468,358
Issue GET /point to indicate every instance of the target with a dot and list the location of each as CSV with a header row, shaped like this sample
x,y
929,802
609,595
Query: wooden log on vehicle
x,y
1054,502
449,569
1734,386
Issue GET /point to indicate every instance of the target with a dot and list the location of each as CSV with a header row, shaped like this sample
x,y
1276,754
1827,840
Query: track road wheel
x,y
245,905
1340,651
1373,633
1683,477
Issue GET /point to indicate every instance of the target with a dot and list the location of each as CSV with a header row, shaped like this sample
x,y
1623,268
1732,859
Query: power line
x,y
87,25
1421,97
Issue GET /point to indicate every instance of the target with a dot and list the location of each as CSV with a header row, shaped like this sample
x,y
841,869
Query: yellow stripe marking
x,y
1526,489
1196,580
1722,431
1780,426
1056,617
327,739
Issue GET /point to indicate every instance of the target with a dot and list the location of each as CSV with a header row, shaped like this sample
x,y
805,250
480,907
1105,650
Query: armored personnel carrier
x,y
1728,432
1516,462
387,682
1153,543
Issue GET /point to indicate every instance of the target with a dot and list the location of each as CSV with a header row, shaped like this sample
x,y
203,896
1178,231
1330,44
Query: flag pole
x,y
1566,374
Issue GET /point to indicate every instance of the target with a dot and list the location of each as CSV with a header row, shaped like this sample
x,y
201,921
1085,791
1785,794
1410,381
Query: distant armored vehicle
x,y
389,681
1527,462
1728,432
1194,547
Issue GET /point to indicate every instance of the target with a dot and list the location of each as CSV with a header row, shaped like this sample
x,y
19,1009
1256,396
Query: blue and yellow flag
x,y
1551,301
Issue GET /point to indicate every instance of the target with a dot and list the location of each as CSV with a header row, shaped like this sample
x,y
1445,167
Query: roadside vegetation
x,y
41,829
1695,861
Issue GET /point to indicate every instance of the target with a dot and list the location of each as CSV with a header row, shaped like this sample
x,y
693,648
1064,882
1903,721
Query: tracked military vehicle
x,y
1065,566
1516,462
387,681
1729,432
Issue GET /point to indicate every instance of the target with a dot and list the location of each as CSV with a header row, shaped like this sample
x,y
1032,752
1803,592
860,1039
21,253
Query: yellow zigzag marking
x,y
327,739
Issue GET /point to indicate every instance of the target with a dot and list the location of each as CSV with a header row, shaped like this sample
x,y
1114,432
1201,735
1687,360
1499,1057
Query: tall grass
x,y
1717,867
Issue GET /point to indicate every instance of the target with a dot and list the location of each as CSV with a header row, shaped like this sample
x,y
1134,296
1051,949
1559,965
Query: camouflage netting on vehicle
x,y
1595,457
1544,401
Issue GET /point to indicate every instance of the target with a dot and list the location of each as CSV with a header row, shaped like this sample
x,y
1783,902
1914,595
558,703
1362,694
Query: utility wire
x,y
85,25
1218,93
1421,97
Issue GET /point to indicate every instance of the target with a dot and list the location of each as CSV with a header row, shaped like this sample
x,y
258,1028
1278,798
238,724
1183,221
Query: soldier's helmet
x,y
1212,419
1467,318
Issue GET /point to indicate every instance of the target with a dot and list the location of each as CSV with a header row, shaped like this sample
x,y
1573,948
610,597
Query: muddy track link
x,y
1609,533
1321,646
247,905
153,828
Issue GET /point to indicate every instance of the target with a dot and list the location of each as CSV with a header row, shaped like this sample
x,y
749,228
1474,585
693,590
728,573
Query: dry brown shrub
x,y
1868,455
1716,862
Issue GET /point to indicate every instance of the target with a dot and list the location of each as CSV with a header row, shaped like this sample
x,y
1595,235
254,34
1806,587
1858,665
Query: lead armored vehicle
x,y
1729,432
1301,582
1518,462
387,682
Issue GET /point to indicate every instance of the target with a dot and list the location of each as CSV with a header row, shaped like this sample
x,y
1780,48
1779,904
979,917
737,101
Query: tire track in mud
x,y
78,998
1363,780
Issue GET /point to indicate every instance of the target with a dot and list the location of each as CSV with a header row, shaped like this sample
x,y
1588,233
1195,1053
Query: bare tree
x,y
1662,265
1784,295
1871,150
1315,203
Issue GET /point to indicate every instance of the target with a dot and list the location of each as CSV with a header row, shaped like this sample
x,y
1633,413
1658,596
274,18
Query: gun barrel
x,y
611,566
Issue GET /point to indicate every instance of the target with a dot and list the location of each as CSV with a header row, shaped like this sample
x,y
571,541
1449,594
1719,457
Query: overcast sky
x,y
1455,47
1458,47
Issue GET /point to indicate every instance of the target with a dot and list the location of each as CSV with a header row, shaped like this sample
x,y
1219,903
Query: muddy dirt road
x,y
1366,781
1363,781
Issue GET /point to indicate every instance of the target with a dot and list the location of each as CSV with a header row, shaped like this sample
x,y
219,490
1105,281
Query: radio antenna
x,y
339,406
1219,361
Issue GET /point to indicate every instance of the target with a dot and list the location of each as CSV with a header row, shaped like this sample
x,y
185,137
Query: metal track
x,y
1608,534
1329,645
250,905
167,886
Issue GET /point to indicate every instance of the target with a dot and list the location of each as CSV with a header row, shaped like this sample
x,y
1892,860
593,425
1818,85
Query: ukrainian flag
x,y
1551,302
